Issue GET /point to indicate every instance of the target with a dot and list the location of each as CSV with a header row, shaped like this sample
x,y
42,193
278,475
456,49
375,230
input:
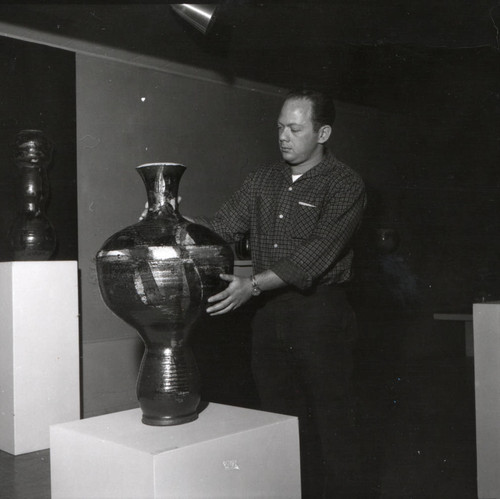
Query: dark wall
x,y
37,91
433,175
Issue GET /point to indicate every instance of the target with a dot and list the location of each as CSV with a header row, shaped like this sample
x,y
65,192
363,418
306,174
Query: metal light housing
x,y
199,15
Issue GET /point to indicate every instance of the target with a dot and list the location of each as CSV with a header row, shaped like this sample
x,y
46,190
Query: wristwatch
x,y
256,291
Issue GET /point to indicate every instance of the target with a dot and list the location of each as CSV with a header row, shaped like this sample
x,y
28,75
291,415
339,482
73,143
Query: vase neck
x,y
162,185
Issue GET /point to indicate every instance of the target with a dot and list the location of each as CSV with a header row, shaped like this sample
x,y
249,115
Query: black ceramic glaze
x,y
156,275
31,235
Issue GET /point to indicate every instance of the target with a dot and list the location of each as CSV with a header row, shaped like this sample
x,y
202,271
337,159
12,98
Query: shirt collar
x,y
326,165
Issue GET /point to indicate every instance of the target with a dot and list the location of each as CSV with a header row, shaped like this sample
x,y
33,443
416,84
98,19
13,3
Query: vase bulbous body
x,y
31,235
156,275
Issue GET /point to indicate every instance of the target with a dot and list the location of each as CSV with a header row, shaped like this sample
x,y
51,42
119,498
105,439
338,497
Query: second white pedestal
x,y
487,384
39,352
228,452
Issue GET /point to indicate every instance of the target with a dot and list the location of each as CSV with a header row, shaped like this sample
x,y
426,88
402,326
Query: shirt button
x,y
280,216
290,188
275,245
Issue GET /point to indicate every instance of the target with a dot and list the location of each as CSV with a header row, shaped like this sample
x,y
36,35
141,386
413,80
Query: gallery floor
x,y
416,417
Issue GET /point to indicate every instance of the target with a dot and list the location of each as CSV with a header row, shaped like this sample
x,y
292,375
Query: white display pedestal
x,y
228,452
39,352
487,384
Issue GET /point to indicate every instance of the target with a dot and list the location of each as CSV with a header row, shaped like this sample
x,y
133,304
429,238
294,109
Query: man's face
x,y
297,139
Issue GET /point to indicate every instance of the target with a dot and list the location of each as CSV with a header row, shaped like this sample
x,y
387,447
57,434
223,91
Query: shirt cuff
x,y
291,274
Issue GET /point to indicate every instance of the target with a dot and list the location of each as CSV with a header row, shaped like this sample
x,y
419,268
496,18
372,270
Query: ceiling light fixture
x,y
199,15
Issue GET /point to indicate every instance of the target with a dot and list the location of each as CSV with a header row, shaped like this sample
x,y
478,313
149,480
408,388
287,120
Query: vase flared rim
x,y
160,164
30,130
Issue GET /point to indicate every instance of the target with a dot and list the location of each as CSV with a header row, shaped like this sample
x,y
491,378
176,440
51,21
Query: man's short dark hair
x,y
323,107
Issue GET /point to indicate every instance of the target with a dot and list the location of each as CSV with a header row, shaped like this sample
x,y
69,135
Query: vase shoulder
x,y
162,232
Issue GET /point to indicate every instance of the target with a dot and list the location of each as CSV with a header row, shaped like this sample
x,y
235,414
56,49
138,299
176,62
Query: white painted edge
x,y
118,55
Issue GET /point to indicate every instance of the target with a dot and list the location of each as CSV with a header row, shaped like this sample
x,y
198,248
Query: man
x,y
301,214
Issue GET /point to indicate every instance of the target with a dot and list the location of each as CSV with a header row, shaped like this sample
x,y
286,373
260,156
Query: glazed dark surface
x,y
156,275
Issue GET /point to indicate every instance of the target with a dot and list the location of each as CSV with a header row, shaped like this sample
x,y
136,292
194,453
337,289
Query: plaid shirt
x,y
300,230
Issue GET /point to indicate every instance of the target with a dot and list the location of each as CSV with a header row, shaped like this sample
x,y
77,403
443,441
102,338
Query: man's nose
x,y
283,136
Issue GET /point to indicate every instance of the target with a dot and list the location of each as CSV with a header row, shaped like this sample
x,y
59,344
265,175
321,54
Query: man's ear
x,y
324,133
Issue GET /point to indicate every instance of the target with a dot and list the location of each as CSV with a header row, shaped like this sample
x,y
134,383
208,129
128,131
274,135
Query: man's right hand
x,y
238,292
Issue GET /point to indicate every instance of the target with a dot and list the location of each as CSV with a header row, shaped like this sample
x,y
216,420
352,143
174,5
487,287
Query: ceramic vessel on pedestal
x,y
156,275
32,236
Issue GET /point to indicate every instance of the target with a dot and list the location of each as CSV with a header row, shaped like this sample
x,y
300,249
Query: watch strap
x,y
256,291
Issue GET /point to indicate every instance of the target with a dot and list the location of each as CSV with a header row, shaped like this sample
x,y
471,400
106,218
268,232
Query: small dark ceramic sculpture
x,y
156,275
32,236
387,240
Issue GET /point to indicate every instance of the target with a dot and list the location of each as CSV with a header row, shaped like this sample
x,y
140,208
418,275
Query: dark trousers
x,y
302,365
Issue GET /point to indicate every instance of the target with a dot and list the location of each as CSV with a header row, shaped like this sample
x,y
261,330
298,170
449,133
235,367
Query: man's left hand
x,y
236,294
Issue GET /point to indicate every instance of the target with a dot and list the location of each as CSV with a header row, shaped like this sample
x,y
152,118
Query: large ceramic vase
x,y
31,235
156,275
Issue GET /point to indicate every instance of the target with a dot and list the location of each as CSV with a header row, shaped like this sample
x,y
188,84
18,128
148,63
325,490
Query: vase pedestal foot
x,y
164,421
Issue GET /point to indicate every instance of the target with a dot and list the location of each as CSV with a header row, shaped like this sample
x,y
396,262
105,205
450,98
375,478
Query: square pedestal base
x,y
39,352
228,452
